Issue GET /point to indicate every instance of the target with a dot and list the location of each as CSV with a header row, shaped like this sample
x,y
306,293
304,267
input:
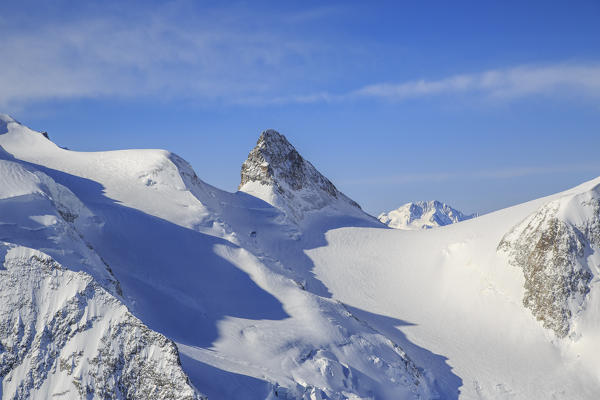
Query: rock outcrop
x,y
278,174
62,334
553,247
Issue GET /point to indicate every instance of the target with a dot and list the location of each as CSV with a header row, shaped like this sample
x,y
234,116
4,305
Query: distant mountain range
x,y
423,215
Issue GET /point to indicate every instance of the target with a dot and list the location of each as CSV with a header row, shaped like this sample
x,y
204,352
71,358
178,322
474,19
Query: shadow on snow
x,y
177,285
171,275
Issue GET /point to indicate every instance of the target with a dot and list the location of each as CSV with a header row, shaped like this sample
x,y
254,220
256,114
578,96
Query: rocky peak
x,y
274,161
276,172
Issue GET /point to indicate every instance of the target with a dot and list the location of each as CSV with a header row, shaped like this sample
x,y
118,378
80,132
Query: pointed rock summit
x,y
278,174
274,161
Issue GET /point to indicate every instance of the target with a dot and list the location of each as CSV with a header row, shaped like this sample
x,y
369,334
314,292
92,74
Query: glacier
x,y
124,275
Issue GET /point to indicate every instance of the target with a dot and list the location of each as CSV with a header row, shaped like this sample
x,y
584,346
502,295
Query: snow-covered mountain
x,y
124,275
422,215
220,274
276,173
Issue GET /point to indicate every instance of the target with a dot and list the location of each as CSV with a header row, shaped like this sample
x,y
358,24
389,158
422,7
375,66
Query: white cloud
x,y
226,56
162,52
500,83
503,173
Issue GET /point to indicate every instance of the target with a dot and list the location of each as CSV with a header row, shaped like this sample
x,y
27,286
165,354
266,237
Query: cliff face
x,y
277,173
553,246
63,334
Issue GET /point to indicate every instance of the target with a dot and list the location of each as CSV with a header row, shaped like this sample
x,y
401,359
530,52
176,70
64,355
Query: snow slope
x,y
63,333
286,289
422,215
453,292
207,269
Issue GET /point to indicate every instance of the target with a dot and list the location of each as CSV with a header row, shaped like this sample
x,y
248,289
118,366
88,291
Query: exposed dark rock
x,y
552,247
46,314
275,162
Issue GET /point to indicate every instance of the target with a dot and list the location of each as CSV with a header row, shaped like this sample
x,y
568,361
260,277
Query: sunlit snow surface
x,y
332,305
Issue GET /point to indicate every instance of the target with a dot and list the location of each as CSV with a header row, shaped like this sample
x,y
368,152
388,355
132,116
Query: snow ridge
x,y
31,201
64,329
423,215
4,121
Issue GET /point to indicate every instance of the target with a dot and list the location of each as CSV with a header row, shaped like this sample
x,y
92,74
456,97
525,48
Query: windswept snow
x,y
283,290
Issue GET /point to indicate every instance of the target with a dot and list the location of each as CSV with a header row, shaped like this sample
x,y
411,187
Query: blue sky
x,y
478,105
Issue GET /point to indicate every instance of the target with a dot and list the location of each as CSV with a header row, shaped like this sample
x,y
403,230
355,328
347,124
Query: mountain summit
x,y
279,175
423,215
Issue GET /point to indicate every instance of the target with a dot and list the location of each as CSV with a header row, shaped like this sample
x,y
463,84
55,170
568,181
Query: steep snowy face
x,y
557,248
38,212
126,176
64,329
4,121
8,123
277,173
423,215
62,334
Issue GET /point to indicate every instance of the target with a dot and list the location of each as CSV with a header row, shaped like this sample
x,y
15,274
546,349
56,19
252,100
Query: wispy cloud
x,y
216,55
313,14
500,83
503,173
227,55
